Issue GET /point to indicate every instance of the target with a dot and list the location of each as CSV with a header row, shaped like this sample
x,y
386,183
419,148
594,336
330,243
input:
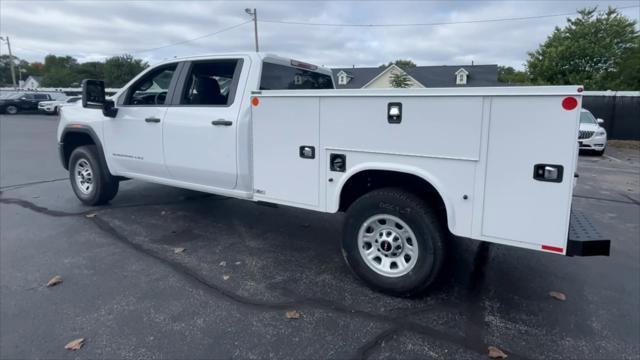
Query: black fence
x,y
621,114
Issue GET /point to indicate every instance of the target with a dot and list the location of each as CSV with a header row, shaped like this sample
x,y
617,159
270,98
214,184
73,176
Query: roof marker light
x,y
255,101
303,65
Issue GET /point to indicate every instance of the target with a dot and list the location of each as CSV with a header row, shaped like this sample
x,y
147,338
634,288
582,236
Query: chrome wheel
x,y
84,176
388,245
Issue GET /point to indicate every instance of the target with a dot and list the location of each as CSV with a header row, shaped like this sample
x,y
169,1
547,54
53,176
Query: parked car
x,y
592,136
52,107
22,102
409,167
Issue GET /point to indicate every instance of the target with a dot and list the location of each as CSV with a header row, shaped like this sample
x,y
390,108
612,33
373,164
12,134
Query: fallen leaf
x,y
223,263
496,353
225,277
75,344
292,314
89,216
54,281
558,295
179,250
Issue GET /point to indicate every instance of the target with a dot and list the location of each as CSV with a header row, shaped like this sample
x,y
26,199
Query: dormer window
x,y
343,78
461,76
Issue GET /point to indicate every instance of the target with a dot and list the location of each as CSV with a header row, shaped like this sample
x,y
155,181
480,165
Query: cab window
x,y
281,77
211,83
152,89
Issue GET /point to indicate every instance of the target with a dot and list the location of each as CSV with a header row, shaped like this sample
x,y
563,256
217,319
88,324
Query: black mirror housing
x,y
93,97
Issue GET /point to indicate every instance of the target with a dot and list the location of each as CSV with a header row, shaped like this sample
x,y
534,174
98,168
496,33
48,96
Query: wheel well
x,y
369,180
71,141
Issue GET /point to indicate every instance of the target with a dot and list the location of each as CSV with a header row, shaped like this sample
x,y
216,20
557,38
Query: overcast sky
x,y
93,30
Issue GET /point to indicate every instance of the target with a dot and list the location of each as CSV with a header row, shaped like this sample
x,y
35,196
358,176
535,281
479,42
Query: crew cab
x,y
22,102
408,167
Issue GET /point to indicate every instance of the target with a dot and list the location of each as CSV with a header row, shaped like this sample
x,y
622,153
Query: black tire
x,y
104,186
421,219
11,110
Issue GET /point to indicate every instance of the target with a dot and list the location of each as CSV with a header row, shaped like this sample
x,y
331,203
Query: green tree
x,y
118,70
594,49
60,71
91,70
627,75
509,75
400,80
402,64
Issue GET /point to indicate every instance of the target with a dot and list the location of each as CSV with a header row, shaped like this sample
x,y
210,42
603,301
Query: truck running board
x,y
584,238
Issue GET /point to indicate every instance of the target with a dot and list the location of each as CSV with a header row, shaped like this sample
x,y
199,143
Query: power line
x,y
429,24
190,40
43,51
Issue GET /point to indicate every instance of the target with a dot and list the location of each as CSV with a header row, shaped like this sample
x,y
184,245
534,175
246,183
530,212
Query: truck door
x,y
133,139
530,167
200,128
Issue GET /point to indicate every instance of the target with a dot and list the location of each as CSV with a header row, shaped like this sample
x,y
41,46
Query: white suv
x,y
592,136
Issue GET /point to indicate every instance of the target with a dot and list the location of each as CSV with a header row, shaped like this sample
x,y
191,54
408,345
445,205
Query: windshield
x,y
587,118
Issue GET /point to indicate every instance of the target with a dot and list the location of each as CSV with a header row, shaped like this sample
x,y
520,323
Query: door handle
x,y
548,172
152,120
221,122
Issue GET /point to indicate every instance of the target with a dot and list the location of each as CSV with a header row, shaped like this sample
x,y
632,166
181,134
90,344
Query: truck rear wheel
x,y
394,242
90,179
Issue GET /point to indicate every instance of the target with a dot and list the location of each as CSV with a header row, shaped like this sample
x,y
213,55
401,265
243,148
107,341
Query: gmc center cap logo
x,y
386,246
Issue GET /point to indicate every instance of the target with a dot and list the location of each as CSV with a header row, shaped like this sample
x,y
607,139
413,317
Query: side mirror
x,y
93,97
600,121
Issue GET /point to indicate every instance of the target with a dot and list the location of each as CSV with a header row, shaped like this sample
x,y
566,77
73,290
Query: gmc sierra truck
x,y
409,167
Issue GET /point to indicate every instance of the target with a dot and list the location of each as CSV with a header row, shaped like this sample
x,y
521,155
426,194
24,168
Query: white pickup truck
x,y
409,167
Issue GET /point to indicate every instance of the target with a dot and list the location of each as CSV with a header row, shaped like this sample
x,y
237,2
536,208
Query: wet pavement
x,y
244,266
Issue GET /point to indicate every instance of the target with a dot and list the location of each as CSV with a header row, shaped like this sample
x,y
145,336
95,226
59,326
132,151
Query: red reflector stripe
x,y
552,248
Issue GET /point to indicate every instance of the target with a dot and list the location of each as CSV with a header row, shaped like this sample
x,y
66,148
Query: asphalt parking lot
x,y
244,266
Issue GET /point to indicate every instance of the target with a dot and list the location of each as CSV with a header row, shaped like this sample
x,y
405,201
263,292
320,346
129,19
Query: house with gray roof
x,y
419,76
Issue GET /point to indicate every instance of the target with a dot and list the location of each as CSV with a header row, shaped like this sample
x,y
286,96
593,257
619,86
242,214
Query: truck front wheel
x,y
394,242
90,180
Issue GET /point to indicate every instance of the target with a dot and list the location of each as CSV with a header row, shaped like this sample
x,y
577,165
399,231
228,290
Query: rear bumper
x,y
584,239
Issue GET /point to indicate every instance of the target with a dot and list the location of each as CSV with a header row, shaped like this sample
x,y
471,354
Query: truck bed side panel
x,y
281,175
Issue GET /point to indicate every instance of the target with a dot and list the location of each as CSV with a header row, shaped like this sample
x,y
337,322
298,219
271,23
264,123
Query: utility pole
x,y
254,13
13,70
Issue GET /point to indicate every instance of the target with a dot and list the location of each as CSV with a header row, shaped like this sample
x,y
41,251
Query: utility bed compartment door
x,y
525,132
285,151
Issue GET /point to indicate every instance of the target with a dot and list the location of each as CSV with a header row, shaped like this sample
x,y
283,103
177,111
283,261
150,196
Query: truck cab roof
x,y
258,56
